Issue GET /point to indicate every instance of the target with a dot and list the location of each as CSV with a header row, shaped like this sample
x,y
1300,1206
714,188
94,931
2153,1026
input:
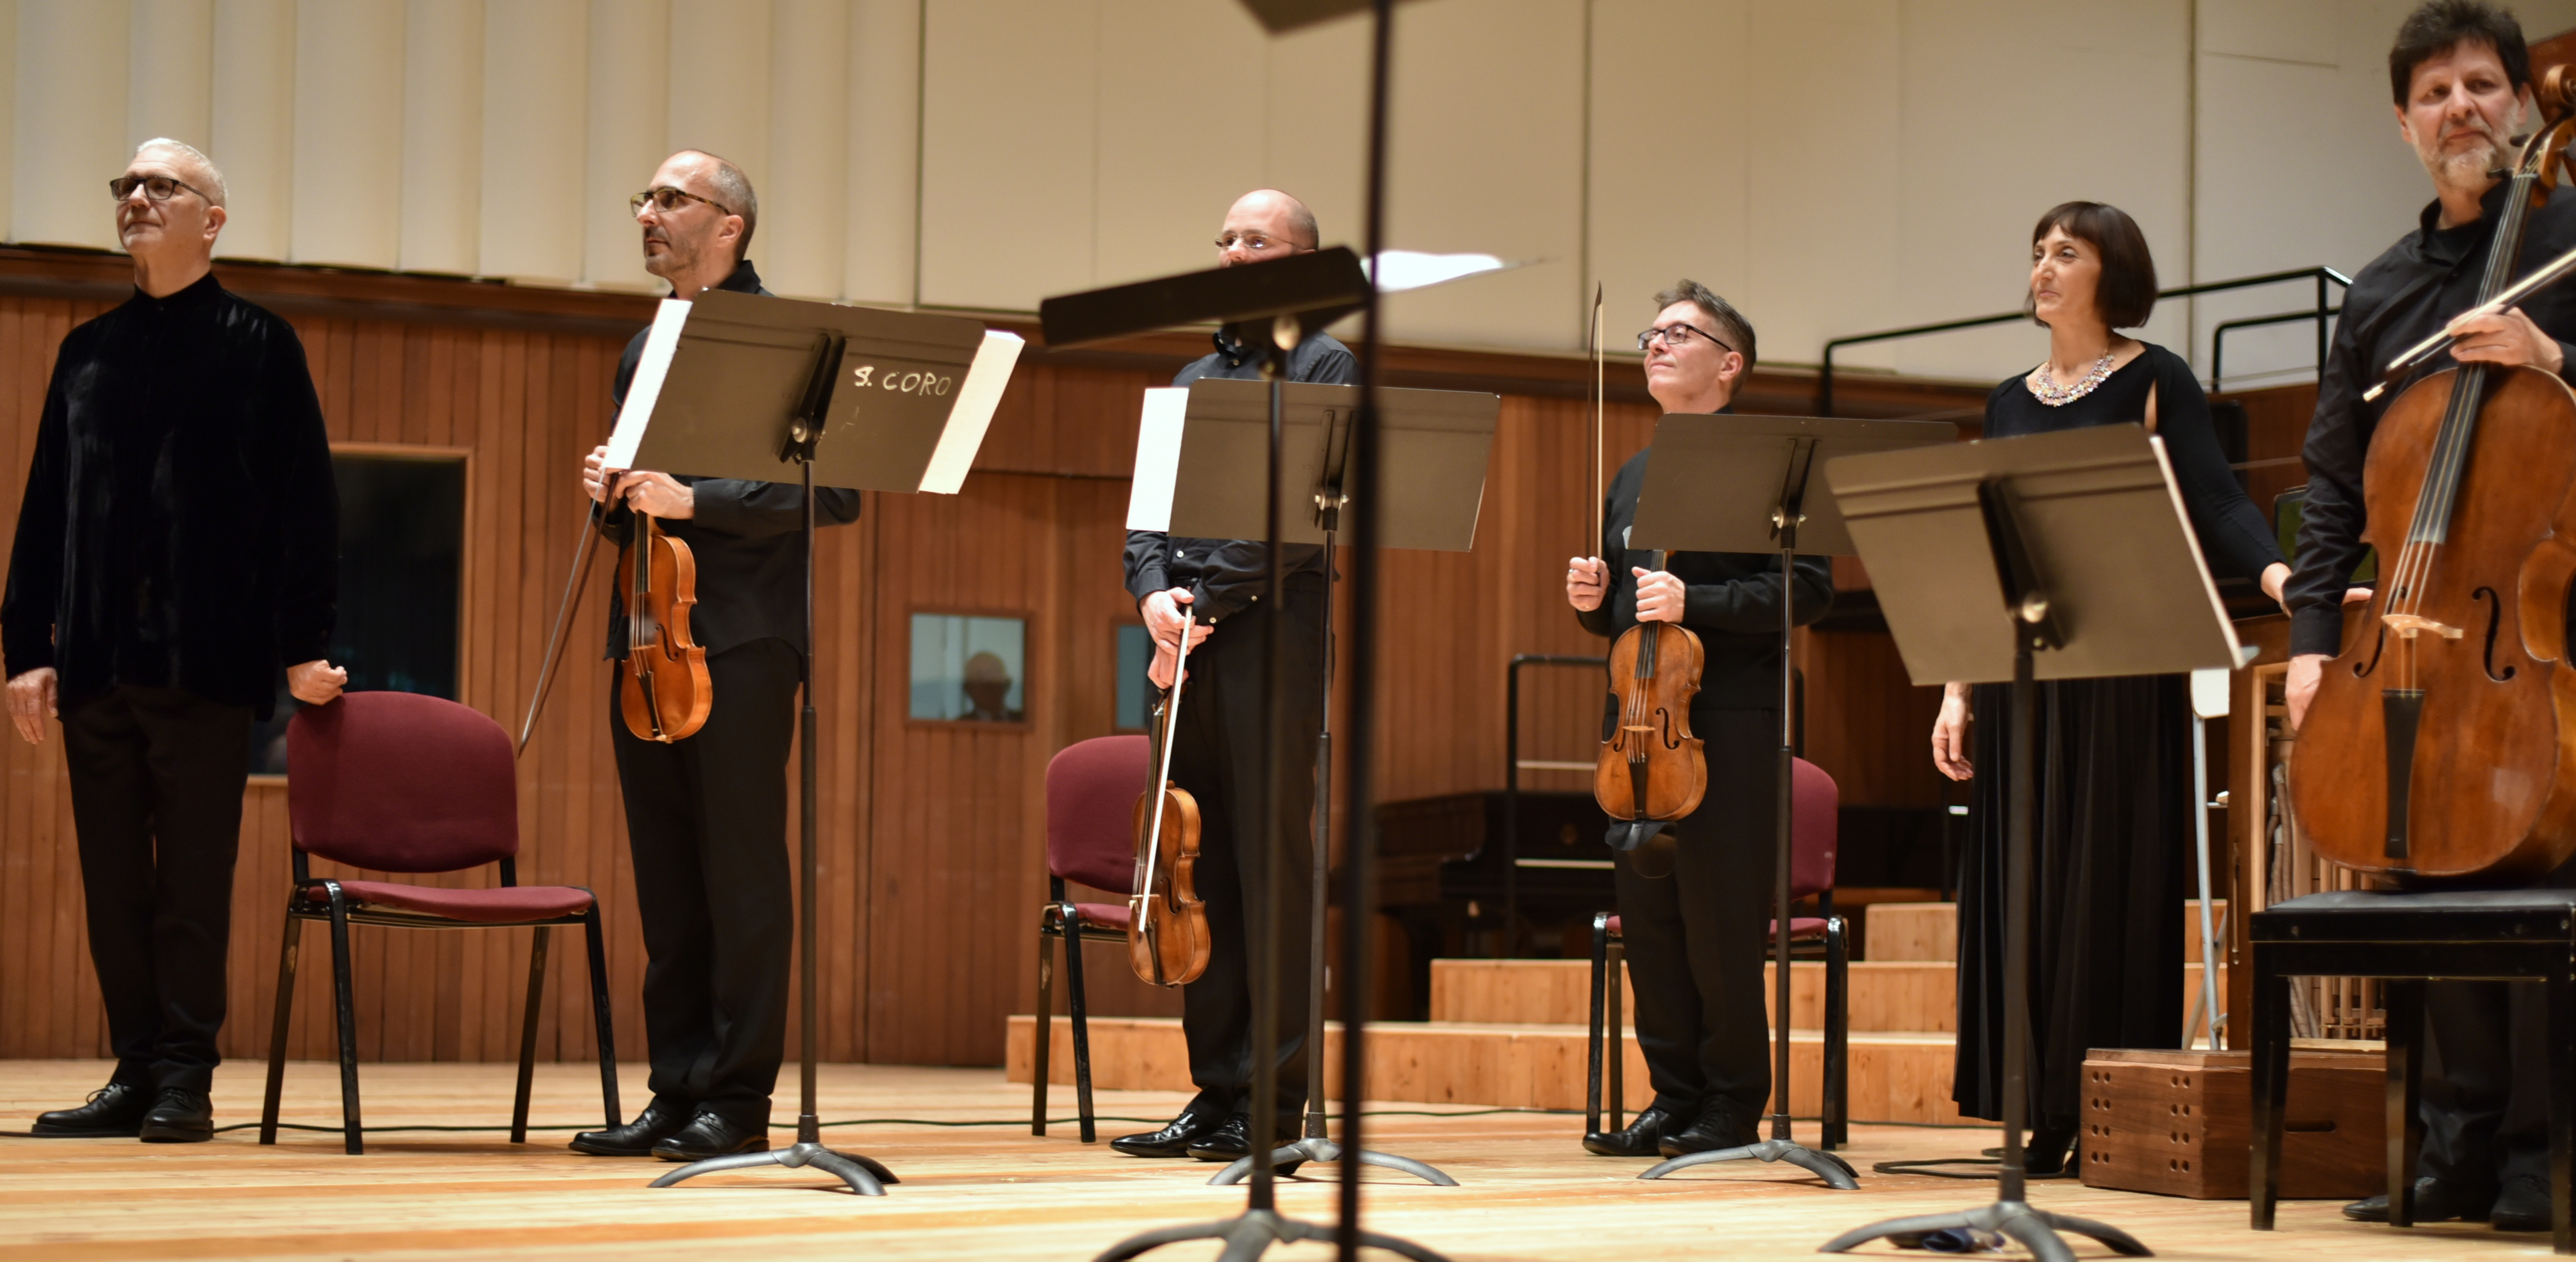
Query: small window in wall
x,y
1135,692
402,550
968,668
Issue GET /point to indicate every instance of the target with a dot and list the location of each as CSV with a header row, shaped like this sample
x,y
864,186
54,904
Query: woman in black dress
x,y
2113,755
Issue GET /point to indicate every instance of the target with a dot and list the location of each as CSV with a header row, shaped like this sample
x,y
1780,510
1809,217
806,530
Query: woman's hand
x,y
1587,583
1950,734
1660,596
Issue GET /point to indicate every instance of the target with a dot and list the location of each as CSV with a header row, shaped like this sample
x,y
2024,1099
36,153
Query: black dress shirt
x,y
2403,297
1730,599
1224,575
181,527
745,538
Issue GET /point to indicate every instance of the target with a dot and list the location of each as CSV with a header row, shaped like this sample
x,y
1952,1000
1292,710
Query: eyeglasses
x,y
1257,243
667,200
159,188
1676,336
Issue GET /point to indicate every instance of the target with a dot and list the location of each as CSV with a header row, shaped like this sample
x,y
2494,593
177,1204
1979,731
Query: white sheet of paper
x,y
641,393
976,401
1158,458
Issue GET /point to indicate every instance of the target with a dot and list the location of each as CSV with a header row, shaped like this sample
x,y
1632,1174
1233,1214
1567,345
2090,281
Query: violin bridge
x,y
2409,626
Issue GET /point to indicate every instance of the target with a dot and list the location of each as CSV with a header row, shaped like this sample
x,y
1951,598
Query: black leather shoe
x,y
1171,1141
2436,1201
711,1135
1716,1128
1638,1140
114,1111
179,1116
1231,1141
2523,1205
2049,1151
636,1138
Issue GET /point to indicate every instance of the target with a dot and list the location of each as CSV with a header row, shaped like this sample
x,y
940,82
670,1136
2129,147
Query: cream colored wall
x,y
1834,165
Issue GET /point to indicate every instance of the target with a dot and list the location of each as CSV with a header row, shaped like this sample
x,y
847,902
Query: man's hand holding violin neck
x,y
652,494
1660,596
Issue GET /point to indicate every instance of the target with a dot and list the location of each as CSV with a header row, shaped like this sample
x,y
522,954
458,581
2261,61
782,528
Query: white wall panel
x,y
1179,81
1822,232
349,133
442,130
70,121
803,201
1009,132
170,80
718,92
255,125
1315,139
630,61
883,227
1670,157
535,97
8,109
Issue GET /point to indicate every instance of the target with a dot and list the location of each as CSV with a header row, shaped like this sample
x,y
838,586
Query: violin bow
x,y
564,608
1163,774
1599,401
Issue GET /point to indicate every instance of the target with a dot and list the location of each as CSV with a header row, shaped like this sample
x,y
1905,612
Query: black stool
x,y
2406,940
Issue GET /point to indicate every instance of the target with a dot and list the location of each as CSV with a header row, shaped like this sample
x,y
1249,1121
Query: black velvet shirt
x,y
180,528
746,538
2403,297
1223,575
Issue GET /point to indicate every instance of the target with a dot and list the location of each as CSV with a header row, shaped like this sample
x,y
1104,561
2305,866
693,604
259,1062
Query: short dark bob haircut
x,y
2438,26
2127,294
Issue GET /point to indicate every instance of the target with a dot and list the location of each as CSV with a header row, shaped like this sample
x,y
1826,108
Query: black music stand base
x,y
1320,1149
1836,1172
863,1174
2033,1229
1250,1234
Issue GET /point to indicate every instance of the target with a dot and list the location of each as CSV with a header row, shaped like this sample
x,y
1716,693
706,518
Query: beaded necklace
x,y
2043,384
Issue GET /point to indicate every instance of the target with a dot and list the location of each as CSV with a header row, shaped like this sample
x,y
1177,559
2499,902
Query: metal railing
x,y
1513,765
2324,312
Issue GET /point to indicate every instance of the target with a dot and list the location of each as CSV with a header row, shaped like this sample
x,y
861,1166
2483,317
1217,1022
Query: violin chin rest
x,y
1648,843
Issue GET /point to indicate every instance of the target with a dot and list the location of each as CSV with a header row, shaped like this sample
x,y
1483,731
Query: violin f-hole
x,y
1664,718
2495,622
2362,670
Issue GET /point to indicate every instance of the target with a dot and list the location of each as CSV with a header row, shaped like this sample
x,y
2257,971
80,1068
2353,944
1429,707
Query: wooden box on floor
x,y
2178,1123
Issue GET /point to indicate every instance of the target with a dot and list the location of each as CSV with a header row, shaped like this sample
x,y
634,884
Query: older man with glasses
x,y
1694,897
177,552
706,815
1218,751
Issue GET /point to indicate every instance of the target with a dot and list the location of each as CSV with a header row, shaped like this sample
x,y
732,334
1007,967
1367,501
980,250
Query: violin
x,y
663,690
1167,928
1650,769
2437,744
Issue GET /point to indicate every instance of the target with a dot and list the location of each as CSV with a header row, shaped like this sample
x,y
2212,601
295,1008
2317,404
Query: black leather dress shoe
x,y
114,1111
636,1138
2523,1205
179,1116
1716,1128
2436,1201
711,1135
1171,1141
1638,1140
1231,1141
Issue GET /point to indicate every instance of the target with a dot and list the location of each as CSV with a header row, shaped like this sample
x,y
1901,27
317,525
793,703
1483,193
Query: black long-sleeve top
x,y
745,538
1730,599
180,527
1224,575
2404,296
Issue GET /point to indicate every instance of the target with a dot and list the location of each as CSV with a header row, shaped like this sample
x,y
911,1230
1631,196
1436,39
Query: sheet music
x,y
1158,459
963,436
646,388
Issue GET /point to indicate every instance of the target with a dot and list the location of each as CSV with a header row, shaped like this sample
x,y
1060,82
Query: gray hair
x,y
214,176
1730,322
733,189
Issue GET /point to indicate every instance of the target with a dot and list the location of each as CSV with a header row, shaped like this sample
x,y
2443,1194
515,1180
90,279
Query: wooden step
x,y
1930,931
1895,1077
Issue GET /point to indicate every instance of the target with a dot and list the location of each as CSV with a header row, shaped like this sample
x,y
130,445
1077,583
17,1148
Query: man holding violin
x,y
1692,900
1218,751
706,815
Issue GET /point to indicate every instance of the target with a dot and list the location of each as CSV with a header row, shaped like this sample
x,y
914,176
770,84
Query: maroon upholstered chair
x,y
396,782
1091,789
1811,875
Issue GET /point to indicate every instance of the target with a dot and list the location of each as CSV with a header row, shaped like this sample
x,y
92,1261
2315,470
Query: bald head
x,y
1266,224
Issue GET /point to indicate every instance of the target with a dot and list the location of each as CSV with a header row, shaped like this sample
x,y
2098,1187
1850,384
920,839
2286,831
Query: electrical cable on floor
x,y
862,1121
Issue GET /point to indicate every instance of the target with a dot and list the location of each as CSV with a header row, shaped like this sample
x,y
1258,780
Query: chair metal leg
x,y
2404,1000
600,1014
528,1033
346,1003
2562,1113
2270,1087
278,1025
1081,1012
1614,1041
1045,1023
1592,1045
1836,1129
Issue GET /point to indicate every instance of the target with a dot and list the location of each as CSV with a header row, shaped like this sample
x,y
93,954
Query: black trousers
x,y
706,818
157,777
1696,940
1219,756
2486,1084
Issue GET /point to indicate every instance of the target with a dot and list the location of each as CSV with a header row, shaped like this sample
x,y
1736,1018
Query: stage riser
x,y
1894,1078
1930,931
1890,996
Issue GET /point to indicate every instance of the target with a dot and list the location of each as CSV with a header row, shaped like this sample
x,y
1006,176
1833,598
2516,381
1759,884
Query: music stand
x,y
1194,457
2056,556
1749,484
731,385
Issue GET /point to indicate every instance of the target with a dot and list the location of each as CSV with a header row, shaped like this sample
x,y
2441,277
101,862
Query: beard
x,y
2456,168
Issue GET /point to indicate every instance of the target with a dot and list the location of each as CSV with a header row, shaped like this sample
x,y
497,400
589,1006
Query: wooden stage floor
x,y
990,1191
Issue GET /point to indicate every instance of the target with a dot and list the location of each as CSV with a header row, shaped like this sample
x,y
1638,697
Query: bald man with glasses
x,y
176,556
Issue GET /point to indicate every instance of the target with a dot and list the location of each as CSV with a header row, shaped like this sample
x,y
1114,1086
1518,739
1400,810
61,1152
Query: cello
x,y
1167,928
663,689
2442,741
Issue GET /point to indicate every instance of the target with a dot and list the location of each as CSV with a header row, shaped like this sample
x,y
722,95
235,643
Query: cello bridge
x,y
2409,626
